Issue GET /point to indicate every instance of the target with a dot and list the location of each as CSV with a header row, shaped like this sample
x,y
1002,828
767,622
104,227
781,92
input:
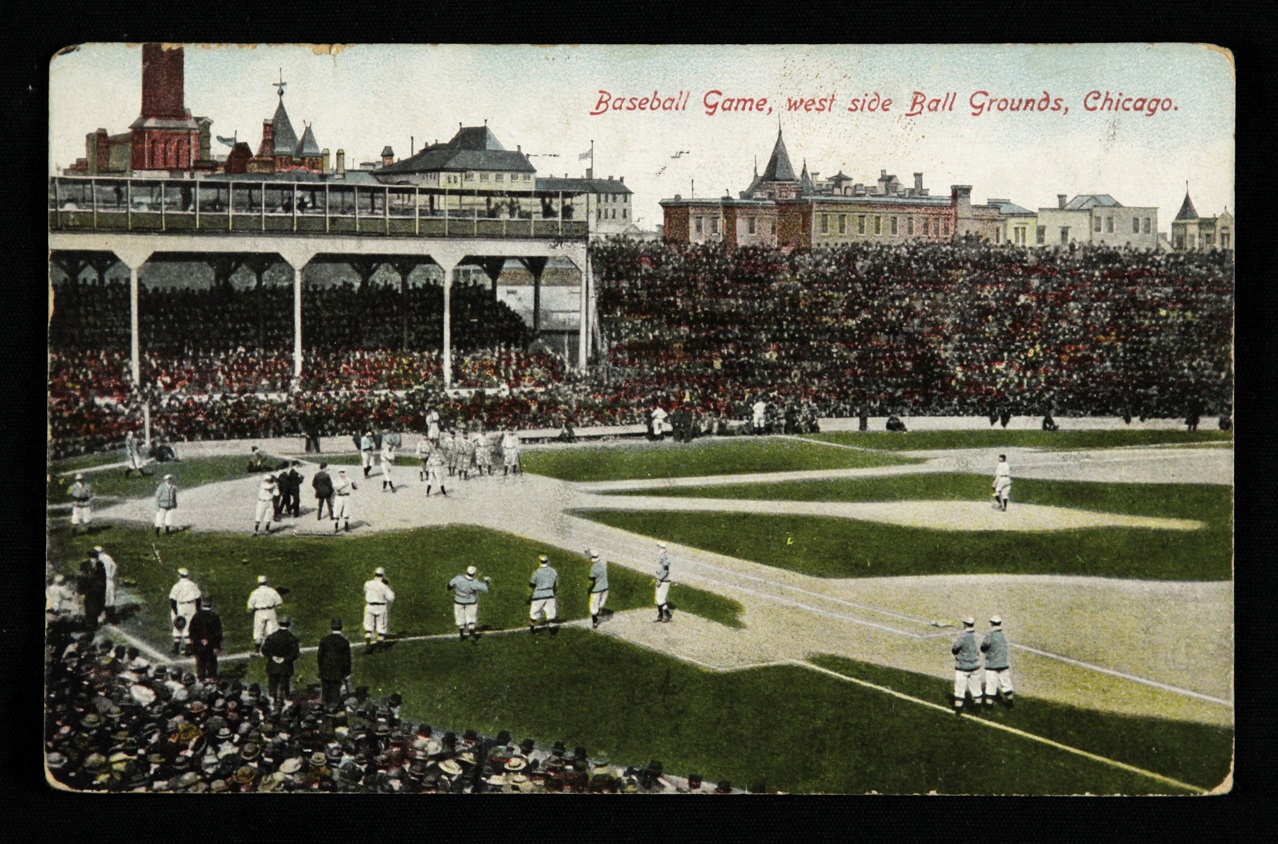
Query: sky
x,y
361,98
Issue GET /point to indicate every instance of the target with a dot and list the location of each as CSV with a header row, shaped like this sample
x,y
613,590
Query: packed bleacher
x,y
966,328
116,721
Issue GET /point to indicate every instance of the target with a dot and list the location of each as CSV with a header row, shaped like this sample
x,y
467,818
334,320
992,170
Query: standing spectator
x,y
281,650
543,605
1002,484
998,666
378,596
112,569
81,503
205,633
267,491
165,504
334,658
663,582
466,589
598,587
132,455
291,491
323,486
263,602
967,662
388,462
342,495
367,445
92,586
183,598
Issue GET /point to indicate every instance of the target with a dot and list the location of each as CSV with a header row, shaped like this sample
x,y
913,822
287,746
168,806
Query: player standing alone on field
x,y
663,582
998,668
81,503
598,587
1002,483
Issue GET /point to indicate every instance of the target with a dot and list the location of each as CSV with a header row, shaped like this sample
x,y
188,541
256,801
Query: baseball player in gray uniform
x,y
81,503
663,582
967,666
165,504
367,445
598,587
388,463
1002,483
998,667
466,589
543,605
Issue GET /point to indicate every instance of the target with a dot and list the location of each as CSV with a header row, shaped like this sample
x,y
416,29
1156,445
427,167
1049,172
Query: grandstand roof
x,y
583,185
1092,200
1187,210
472,148
779,168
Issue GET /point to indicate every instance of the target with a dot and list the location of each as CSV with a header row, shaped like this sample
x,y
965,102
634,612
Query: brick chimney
x,y
918,183
163,82
341,162
1060,200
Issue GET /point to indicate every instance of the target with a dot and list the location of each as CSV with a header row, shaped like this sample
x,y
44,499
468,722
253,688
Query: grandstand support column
x,y
297,258
536,265
583,312
448,260
134,257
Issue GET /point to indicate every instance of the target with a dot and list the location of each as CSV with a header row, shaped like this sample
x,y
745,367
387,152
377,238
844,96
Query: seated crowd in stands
x,y
916,328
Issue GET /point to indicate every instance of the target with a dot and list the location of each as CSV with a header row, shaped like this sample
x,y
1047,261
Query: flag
x,y
590,153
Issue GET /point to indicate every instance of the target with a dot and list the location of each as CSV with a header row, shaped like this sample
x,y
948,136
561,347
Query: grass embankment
x,y
828,547
724,456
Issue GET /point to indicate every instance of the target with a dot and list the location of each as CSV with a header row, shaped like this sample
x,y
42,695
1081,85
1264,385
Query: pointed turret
x,y
779,168
1187,211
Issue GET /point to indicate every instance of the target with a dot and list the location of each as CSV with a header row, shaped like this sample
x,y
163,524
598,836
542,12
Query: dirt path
x,y
1114,645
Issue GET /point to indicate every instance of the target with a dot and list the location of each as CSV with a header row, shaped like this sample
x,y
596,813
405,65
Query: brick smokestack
x,y
163,82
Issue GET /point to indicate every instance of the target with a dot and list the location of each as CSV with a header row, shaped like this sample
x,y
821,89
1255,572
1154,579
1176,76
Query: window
x,y
483,177
843,224
623,214
750,225
1109,225
1224,238
714,225
860,224
909,225
527,178
1135,225
772,226
1042,234
499,177
697,224
893,228
470,177
825,224
1096,225
1064,235
945,228
878,225
1147,225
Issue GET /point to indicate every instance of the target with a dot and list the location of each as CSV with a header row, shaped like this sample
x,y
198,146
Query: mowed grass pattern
x,y
637,705
724,456
324,577
998,438
186,474
830,547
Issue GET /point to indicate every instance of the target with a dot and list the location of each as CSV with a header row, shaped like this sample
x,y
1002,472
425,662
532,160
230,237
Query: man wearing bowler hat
x,y
205,632
281,650
334,657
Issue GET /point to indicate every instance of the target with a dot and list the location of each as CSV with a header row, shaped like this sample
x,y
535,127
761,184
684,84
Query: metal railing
x,y
217,206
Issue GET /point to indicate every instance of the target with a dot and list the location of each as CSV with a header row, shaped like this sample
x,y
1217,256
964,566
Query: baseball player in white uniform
x,y
342,500
132,455
388,463
466,589
366,447
81,503
1002,483
598,587
378,597
663,582
266,493
184,599
759,420
262,602
112,580
423,453
435,469
432,425
510,452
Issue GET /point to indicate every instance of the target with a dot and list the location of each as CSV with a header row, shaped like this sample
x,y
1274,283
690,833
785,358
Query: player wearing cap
x,y
266,495
510,452
81,503
435,469
378,597
281,650
598,587
1002,484
112,569
663,582
367,445
543,605
423,454
998,667
388,463
432,425
466,589
165,504
132,455
334,658
183,598
967,662
342,496
205,633
262,602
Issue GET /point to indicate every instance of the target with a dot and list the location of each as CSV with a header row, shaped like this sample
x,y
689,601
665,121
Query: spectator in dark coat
x,y
205,630
322,483
281,650
334,657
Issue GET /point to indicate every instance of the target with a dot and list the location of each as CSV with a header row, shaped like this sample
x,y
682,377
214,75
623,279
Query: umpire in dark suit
x,y
205,630
334,658
281,650
291,491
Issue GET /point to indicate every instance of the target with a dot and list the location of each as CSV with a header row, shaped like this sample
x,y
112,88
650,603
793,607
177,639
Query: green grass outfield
x,y
186,474
831,547
325,576
790,728
999,438
713,456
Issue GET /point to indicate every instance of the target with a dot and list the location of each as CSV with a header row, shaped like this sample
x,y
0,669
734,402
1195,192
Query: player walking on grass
x,y
378,596
1002,483
998,667
466,589
262,602
598,587
543,606
967,665
663,583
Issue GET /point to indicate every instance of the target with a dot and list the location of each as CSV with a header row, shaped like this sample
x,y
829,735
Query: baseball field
x,y
819,583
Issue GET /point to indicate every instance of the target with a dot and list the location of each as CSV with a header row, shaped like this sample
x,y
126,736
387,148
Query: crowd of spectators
x,y
966,328
116,721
